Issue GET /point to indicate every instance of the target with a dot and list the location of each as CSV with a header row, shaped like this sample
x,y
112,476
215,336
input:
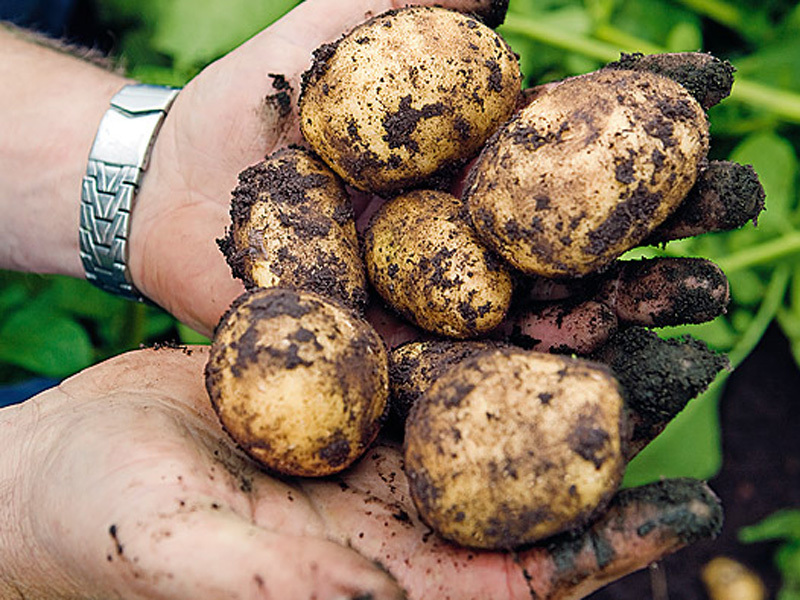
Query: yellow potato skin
x,y
407,94
586,170
513,446
423,257
298,381
414,366
292,225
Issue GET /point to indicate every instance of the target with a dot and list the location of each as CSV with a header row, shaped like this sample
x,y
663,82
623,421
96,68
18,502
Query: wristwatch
x,y
117,161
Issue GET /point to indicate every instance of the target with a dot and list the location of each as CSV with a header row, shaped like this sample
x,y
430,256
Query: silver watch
x,y
117,160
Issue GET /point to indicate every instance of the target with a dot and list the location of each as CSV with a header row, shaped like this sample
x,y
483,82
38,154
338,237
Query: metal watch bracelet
x,y
117,160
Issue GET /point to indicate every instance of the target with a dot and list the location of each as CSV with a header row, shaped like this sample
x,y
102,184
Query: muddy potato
x,y
407,94
512,446
424,258
292,225
587,170
414,366
298,381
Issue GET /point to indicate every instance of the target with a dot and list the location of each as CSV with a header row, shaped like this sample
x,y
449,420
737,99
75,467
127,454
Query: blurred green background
x,y
55,326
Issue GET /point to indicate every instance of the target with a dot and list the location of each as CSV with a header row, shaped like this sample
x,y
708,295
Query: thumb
x,y
286,46
211,552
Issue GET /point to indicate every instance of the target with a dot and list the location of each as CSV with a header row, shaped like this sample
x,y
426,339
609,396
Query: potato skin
x,y
415,366
425,259
298,381
407,94
292,225
587,170
512,446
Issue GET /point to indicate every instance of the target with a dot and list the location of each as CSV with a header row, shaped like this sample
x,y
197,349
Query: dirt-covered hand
x,y
131,489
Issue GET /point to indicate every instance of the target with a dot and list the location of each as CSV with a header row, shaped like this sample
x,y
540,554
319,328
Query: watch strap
x,y
117,160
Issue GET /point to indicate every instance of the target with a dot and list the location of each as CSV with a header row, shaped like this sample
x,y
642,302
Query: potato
x,y
414,366
512,446
424,258
298,381
587,170
406,94
292,225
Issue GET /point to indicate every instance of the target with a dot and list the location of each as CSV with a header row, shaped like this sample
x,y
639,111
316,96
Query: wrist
x,y
50,109
116,166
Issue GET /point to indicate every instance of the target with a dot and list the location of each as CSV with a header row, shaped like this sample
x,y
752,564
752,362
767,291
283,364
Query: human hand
x,y
120,483
231,115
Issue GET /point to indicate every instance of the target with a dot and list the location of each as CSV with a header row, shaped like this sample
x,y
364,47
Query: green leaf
x,y
11,296
787,559
45,342
718,334
653,21
196,32
688,447
775,161
777,64
685,37
190,336
747,288
157,323
539,62
80,298
781,525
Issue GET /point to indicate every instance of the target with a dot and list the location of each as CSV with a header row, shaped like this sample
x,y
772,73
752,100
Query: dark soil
x,y
760,474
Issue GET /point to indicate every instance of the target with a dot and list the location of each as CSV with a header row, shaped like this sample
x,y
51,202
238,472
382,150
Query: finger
x,y
369,508
563,327
726,196
655,292
287,51
707,78
640,526
207,551
658,376
663,292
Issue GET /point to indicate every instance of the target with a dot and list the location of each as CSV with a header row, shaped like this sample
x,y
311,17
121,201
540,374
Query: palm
x,y
210,136
170,508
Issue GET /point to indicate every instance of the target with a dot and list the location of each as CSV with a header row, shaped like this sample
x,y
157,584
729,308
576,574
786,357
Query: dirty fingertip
x,y
683,508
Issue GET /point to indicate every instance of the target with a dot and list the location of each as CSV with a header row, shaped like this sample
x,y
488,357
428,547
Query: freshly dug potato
x,y
587,170
292,225
512,446
298,381
406,94
414,366
425,259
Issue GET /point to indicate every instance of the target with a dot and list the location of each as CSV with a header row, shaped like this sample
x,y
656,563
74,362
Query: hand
x,y
229,117
125,486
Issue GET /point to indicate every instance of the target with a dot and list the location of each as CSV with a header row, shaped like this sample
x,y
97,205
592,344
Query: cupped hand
x,y
230,116
127,487
243,107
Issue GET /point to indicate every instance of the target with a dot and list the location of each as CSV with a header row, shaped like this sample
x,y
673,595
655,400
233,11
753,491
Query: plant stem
x,y
718,11
621,39
768,252
762,97
783,103
773,299
559,38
